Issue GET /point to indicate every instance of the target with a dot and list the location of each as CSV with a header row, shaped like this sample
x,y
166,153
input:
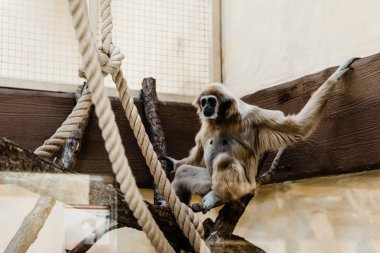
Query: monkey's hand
x,y
209,201
174,163
342,69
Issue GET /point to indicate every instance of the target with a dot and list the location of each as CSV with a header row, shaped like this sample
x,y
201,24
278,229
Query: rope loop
x,y
110,62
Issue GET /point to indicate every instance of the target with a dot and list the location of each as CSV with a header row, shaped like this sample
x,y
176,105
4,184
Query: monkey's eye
x,y
211,101
203,102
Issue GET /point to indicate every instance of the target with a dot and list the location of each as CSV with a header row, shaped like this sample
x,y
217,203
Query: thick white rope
x,y
111,61
55,142
110,131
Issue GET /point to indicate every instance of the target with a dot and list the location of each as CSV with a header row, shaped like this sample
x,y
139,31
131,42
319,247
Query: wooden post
x,y
156,133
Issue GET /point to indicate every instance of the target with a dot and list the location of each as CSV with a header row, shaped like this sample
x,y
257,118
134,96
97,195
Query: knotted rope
x,y
110,131
185,217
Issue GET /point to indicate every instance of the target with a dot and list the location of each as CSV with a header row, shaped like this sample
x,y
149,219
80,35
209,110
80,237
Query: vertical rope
x,y
110,131
185,217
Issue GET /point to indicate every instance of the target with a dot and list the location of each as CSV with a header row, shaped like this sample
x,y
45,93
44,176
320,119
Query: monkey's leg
x,y
191,180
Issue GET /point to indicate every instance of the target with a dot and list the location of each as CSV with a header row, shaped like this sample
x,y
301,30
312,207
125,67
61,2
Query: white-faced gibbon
x,y
223,163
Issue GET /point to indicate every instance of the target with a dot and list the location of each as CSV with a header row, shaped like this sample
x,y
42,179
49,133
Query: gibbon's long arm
x,y
275,130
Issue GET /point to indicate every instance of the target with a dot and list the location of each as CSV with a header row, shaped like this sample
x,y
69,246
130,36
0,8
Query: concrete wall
x,y
268,42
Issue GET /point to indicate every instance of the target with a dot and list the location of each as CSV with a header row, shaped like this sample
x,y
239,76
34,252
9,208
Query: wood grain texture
x,y
348,137
347,140
29,117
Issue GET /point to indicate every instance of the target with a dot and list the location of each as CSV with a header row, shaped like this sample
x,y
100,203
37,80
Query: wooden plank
x,y
348,138
29,117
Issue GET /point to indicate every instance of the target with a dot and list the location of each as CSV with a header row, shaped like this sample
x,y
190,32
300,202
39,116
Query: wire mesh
x,y
168,40
37,42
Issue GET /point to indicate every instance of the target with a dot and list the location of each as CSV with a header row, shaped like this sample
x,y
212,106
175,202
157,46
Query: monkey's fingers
x,y
342,69
347,64
171,161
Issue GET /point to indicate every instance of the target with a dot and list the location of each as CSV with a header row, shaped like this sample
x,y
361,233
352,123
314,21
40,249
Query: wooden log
x,y
231,244
156,133
107,195
346,141
31,225
73,145
84,246
15,158
348,137
29,117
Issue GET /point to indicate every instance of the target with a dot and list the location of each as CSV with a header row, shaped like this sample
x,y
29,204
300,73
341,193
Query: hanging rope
x,y
110,58
110,131
58,139
32,224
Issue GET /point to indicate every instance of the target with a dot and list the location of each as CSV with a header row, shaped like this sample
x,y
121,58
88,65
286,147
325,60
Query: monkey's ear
x,y
229,107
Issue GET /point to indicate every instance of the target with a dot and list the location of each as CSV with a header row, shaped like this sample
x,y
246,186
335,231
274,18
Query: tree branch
x,y
156,133
15,158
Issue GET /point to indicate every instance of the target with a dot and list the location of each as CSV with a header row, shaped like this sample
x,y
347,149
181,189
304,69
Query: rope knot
x,y
109,62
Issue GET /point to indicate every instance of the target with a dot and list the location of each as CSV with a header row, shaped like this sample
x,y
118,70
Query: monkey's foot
x,y
162,202
209,201
342,69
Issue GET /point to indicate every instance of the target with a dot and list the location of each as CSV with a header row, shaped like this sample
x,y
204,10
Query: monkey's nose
x,y
208,111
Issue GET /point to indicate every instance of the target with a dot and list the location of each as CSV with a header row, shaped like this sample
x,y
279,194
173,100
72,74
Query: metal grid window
x,y
169,40
37,42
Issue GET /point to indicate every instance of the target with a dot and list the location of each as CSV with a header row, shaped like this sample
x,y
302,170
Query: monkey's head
x,y
215,103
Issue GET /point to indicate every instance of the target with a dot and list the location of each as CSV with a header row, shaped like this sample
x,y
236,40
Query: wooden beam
x,y
348,137
29,117
347,140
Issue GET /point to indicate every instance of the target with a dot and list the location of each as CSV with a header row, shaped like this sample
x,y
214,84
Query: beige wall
x,y
268,42
339,214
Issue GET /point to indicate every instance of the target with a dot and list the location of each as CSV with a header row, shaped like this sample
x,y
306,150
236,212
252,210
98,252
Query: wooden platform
x,y
347,140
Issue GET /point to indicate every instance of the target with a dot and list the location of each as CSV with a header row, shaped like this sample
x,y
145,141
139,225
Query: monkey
x,y
233,135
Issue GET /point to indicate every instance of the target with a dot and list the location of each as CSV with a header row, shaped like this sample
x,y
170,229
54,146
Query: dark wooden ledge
x,y
347,140
348,137
29,117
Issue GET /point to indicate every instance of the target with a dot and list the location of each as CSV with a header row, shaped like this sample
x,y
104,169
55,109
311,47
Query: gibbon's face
x,y
215,102
209,106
